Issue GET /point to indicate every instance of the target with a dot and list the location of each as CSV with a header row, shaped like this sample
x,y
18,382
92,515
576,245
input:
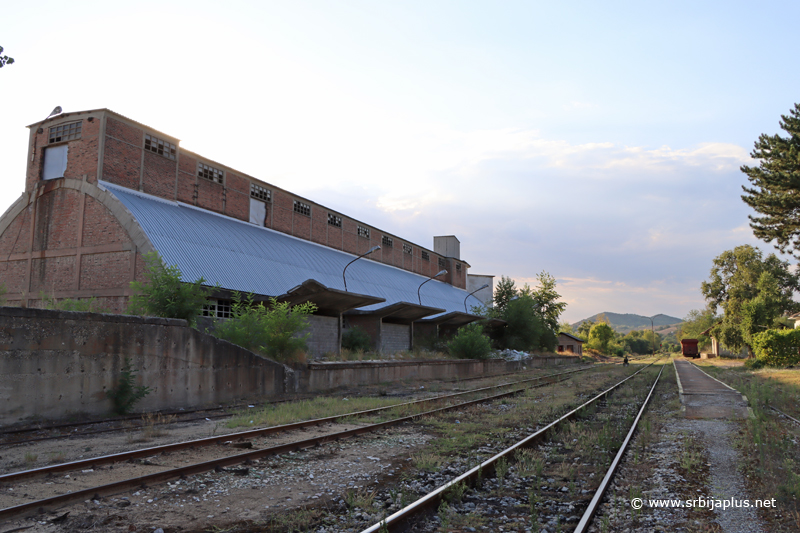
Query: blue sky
x,y
600,142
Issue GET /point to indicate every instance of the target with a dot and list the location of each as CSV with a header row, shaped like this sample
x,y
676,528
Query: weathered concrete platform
x,y
705,397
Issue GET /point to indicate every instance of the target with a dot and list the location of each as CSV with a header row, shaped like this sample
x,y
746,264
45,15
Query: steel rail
x,y
176,473
434,497
590,511
784,414
210,441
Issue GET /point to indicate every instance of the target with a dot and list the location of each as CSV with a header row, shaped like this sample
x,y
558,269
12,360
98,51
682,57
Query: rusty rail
x,y
431,499
175,473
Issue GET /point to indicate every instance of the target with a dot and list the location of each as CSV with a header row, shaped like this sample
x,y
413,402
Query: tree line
x,y
749,297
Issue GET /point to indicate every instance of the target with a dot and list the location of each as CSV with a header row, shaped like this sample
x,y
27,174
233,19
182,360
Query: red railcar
x,y
689,348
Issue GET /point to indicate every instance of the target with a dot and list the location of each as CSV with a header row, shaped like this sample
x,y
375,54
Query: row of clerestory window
x,y
72,130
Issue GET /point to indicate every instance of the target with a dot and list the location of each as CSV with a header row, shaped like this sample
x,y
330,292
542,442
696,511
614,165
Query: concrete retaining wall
x,y
53,363
326,376
57,363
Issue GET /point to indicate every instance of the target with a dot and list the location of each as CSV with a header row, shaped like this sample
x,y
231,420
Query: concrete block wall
x,y
53,363
324,335
395,337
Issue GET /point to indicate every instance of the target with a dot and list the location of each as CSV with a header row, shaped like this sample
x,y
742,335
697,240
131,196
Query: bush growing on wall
x,y
126,393
777,347
470,343
89,305
356,339
273,331
165,294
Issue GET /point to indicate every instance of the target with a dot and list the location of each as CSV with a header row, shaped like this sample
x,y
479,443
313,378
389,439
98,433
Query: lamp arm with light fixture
x,y
470,294
440,273
373,249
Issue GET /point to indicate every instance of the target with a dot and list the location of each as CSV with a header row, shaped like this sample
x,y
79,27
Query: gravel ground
x,y
725,480
313,477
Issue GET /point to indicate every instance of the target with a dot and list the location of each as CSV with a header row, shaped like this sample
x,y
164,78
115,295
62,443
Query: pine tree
x,y
775,191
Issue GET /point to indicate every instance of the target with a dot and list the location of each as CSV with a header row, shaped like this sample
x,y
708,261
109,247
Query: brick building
x,y
101,190
570,344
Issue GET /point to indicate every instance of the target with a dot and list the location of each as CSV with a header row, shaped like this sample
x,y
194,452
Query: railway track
x,y
243,440
403,517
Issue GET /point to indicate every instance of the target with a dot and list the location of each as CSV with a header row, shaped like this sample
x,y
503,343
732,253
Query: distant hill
x,y
623,323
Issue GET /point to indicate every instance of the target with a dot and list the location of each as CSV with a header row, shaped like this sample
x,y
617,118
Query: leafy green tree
x,y
584,328
638,342
524,329
5,60
470,343
504,293
275,331
165,294
600,337
695,323
775,185
751,291
566,327
546,298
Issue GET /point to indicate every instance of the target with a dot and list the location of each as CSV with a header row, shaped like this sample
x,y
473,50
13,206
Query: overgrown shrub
x,y
125,393
274,331
356,339
165,294
753,364
89,305
470,343
777,347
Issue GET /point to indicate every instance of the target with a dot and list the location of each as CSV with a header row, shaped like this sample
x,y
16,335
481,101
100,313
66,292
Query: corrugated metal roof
x,y
247,258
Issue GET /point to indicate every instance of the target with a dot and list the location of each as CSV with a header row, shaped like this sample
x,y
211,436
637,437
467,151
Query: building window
x,y
157,146
217,308
303,209
334,221
65,132
363,232
407,249
441,262
387,241
260,193
458,267
209,173
426,256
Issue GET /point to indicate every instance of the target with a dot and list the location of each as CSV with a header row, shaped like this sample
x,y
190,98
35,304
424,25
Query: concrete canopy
x,y
328,301
455,319
401,312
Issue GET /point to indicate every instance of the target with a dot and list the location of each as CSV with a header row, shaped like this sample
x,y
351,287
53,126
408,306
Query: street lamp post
x,y
440,273
374,248
653,331
470,294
